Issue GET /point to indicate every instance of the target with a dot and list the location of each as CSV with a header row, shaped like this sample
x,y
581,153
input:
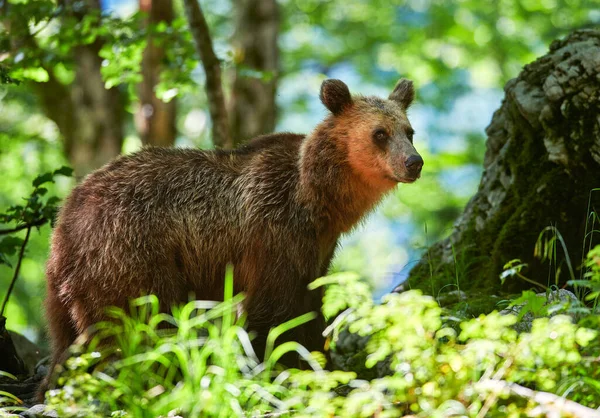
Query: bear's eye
x,y
409,134
380,136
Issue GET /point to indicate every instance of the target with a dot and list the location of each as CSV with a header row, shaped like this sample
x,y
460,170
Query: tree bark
x,y
95,135
212,69
252,105
541,163
155,119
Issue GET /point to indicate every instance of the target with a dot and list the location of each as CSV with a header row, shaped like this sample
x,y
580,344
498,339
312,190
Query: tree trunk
x,y
155,119
541,163
95,135
88,116
252,105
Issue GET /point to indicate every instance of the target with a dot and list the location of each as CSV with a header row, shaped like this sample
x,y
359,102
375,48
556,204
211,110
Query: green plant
x,y
591,277
34,214
203,365
513,269
530,302
587,287
9,402
435,368
546,250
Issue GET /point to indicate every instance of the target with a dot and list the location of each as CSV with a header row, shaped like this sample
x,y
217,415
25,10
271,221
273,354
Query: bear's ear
x,y
404,93
335,95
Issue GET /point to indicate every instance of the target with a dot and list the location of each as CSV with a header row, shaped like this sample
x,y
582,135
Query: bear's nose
x,y
414,163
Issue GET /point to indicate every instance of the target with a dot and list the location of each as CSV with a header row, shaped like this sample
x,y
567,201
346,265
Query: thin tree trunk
x,y
155,119
541,164
212,68
252,105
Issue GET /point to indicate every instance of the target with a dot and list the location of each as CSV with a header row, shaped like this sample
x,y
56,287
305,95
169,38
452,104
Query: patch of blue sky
x,y
462,181
122,8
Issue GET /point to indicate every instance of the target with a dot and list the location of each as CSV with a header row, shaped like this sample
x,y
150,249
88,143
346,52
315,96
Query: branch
x,y
549,403
17,268
212,68
39,222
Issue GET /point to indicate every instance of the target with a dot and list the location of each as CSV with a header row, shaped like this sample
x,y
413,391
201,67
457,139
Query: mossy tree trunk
x,y
541,164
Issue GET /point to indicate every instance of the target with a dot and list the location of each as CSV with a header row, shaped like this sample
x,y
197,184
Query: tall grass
x,y
198,362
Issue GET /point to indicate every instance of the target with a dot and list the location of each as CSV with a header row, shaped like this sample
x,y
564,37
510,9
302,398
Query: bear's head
x,y
376,133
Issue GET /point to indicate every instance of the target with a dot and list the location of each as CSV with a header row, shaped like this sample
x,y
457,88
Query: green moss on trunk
x,y
542,161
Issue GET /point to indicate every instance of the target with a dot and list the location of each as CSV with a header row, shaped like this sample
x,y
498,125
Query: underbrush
x,y
203,365
426,361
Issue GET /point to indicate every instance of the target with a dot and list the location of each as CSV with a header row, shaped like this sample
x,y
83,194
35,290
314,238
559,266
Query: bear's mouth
x,y
406,180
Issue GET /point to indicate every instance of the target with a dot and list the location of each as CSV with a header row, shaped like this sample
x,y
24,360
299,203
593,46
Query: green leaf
x,y
52,201
5,78
64,171
37,74
43,178
9,244
248,72
7,374
530,302
9,397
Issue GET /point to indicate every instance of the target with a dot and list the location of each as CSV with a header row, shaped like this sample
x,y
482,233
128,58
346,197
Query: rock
x,y
42,367
350,355
10,361
29,352
38,411
28,374
25,390
453,297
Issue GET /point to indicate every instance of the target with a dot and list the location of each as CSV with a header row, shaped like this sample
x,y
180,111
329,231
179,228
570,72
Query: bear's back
x,y
164,220
185,181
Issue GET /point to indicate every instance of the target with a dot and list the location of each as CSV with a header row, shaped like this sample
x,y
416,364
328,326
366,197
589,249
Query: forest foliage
x,y
437,365
446,47
73,76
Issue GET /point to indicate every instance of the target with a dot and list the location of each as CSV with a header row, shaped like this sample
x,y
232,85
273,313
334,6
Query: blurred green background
x,y
459,54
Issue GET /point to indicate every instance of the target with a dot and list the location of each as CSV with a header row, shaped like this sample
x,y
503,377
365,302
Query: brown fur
x,y
167,221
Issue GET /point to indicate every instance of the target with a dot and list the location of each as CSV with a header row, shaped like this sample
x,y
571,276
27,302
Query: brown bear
x,y
167,221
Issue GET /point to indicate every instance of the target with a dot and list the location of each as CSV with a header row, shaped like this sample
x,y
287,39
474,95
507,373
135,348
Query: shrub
x,y
204,365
